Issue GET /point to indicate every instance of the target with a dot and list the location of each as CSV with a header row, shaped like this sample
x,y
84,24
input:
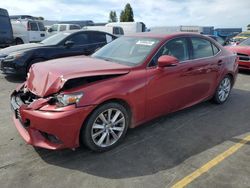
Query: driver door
x,y
170,88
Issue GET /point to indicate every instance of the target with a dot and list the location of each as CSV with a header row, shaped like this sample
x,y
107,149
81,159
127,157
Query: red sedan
x,y
94,100
243,53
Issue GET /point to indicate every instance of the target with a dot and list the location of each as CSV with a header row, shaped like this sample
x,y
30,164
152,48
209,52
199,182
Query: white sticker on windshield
x,y
145,42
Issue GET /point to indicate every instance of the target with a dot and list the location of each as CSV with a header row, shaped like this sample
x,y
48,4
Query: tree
x,y
40,18
112,16
122,19
127,14
248,27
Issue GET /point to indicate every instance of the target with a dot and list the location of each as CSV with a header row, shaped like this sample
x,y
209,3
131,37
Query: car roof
x,y
83,31
164,35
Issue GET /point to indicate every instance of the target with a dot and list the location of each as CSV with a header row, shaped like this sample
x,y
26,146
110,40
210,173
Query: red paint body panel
x,y
244,65
148,91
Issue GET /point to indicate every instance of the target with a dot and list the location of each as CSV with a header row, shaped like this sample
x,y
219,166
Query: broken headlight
x,y
68,99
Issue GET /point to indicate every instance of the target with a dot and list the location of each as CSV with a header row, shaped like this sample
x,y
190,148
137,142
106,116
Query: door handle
x,y
42,35
220,62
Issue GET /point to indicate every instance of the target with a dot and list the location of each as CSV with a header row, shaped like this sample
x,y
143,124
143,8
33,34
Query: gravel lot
x,y
157,154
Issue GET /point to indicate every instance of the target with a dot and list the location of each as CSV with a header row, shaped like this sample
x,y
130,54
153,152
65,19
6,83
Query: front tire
x,y
106,127
223,90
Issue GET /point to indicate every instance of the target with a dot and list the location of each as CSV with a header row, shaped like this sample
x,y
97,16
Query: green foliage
x,y
127,14
112,16
40,18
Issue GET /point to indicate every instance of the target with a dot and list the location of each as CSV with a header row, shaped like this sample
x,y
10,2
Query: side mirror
x,y
69,43
167,61
50,30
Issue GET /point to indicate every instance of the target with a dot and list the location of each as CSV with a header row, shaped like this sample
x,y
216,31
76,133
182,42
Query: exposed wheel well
x,y
231,77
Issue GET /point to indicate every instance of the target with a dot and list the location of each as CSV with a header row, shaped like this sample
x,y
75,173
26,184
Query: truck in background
x,y
6,33
114,30
129,27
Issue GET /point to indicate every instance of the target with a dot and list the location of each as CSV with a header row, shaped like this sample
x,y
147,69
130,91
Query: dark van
x,y
6,33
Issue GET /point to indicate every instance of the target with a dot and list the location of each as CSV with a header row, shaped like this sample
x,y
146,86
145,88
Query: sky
x,y
218,13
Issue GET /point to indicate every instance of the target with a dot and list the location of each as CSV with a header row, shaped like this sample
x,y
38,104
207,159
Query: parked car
x,y
242,36
218,39
6,34
18,59
94,100
243,53
26,31
56,28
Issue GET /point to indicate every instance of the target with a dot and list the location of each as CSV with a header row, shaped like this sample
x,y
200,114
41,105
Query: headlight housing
x,y
68,99
14,55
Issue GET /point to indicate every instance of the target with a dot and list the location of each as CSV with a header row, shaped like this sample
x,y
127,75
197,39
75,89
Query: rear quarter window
x,y
202,48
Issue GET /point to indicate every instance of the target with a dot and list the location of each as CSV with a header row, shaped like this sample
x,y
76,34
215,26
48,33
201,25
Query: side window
x,y
201,48
33,26
41,26
215,49
99,37
80,39
121,31
176,47
116,30
108,38
62,28
73,27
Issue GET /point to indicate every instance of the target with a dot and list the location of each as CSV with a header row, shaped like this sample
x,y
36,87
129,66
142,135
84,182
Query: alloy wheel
x,y
108,127
224,89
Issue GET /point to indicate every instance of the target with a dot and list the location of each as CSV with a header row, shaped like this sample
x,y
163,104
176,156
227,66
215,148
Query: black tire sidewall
x,y
85,136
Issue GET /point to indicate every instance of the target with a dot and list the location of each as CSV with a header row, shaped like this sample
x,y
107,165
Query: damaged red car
x,y
94,100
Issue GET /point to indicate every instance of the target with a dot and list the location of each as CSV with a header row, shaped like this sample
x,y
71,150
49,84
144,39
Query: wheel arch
x,y
117,100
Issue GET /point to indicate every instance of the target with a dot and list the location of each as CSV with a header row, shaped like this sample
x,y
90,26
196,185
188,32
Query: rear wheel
x,y
223,91
106,127
18,41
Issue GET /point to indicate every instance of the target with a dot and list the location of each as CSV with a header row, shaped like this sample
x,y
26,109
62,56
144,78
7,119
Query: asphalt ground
x,y
203,146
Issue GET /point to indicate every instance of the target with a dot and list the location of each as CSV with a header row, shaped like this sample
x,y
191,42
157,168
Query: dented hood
x,y
48,77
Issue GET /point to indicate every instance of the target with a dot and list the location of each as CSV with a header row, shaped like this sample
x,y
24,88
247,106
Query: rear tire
x,y
106,127
223,90
18,41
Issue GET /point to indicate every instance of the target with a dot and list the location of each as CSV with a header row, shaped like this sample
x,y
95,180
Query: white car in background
x,y
56,28
26,31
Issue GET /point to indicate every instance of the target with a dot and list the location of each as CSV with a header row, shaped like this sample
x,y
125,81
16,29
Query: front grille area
x,y
243,57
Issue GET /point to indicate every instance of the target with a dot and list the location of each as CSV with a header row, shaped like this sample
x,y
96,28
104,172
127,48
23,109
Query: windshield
x,y
55,39
127,50
245,42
